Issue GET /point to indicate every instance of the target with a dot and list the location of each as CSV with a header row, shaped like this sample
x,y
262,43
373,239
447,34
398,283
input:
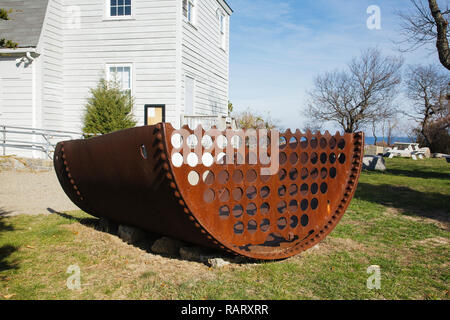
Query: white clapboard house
x,y
173,55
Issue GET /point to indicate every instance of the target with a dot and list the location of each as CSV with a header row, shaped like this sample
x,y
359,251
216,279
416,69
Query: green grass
x,y
398,220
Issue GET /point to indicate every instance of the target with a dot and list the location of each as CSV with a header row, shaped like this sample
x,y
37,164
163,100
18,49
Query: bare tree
x,y
427,87
359,96
427,24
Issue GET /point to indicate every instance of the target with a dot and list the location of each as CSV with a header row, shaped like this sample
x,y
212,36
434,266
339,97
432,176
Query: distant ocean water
x,y
371,140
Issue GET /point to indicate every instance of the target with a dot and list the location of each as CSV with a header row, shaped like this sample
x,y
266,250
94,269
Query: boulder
x,y
374,163
106,225
167,246
218,263
198,254
131,235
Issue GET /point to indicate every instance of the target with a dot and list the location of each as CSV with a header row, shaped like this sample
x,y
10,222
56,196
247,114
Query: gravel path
x,y
32,193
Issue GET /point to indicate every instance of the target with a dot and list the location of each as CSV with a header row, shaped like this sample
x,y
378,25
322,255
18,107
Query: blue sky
x,y
278,47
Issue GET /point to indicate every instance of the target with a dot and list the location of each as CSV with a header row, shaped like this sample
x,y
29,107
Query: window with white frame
x,y
121,74
189,10
119,8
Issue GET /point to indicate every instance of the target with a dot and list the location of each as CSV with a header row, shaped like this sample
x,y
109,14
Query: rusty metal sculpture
x,y
137,177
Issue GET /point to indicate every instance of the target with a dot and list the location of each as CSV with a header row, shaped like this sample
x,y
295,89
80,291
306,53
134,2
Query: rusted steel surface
x,y
135,177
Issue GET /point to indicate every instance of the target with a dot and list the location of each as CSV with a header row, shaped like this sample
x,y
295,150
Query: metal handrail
x,y
46,145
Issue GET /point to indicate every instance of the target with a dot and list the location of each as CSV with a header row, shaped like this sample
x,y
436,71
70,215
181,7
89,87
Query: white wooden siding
x,y
16,98
51,49
205,60
148,42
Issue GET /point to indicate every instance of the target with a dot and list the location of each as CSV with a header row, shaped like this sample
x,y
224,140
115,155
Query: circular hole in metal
x,y
341,144
314,188
207,142
265,192
252,226
282,174
208,177
252,209
304,204
252,192
324,188
323,143
314,173
333,158
177,160
304,158
221,158
236,142
293,143
238,176
222,142
342,158
314,204
193,178
238,194
143,150
251,175
223,177
265,225
304,173
239,228
281,191
283,142
293,158
293,174
265,208
323,173
224,212
192,160
332,143
314,143
265,178
238,211
176,140
192,141
314,158
333,172
293,190
282,207
294,222
282,223
323,158
304,189
283,158
293,205
224,195
207,160
304,220
209,195
303,142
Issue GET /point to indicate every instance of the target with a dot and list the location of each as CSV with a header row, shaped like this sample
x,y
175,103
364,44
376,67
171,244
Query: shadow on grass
x,y
89,222
418,174
150,238
6,250
410,202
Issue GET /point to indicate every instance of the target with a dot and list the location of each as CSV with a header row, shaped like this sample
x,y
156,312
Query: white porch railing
x,y
221,122
33,139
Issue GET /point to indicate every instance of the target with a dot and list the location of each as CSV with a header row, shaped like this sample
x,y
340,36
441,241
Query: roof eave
x,y
226,6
